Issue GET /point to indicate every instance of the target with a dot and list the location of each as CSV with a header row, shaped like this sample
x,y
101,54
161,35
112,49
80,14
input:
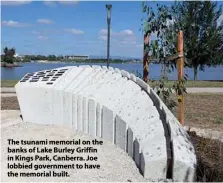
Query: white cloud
x,y
14,3
127,32
104,38
123,37
44,21
74,31
103,31
42,37
54,3
49,3
12,23
69,2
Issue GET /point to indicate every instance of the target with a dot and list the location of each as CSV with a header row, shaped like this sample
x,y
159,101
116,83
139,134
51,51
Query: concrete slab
x,y
120,133
107,124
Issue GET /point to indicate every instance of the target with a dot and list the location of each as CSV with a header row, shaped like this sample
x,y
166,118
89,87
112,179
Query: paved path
x,y
205,90
8,94
189,90
7,90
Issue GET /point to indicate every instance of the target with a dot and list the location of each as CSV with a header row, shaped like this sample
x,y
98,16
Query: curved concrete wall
x,y
113,105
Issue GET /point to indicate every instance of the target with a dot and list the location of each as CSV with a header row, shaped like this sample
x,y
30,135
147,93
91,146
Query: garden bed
x,y
209,158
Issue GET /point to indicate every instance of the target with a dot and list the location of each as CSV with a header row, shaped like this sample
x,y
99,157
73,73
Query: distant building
x,y
76,57
18,56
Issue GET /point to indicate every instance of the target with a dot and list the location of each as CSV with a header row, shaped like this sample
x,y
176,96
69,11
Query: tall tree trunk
x,y
195,72
146,59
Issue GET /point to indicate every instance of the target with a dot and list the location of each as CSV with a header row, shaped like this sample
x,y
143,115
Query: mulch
x,y
209,158
9,103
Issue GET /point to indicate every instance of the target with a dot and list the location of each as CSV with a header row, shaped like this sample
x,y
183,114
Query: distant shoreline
x,y
8,65
84,62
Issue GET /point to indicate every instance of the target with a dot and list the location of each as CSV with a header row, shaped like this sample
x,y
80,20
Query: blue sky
x,y
78,28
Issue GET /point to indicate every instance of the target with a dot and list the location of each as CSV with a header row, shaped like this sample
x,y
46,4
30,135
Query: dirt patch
x,y
209,157
9,103
204,111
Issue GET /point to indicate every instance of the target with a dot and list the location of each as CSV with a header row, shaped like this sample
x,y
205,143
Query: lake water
x,y
16,73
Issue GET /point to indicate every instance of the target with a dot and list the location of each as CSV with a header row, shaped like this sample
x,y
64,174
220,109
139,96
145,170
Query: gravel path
x,y
8,94
115,164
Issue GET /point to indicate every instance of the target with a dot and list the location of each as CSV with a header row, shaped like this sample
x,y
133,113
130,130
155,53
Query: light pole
x,y
108,6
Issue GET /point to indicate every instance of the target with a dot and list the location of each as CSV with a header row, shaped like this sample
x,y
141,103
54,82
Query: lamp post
x,y
108,6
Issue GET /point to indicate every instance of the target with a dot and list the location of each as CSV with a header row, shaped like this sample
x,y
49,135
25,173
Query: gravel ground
x,y
115,164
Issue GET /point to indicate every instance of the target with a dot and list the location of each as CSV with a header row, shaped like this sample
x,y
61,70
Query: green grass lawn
x,y
11,83
8,83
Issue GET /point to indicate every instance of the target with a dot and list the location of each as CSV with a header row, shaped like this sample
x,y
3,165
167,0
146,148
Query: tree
x,y
202,34
156,22
5,50
26,58
9,55
51,58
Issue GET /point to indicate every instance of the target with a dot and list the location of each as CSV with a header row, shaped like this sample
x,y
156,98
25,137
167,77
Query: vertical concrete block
x,y
92,117
85,115
74,112
111,69
143,84
87,81
120,133
95,83
142,164
136,152
184,161
35,103
46,101
117,70
57,109
98,120
129,147
105,68
67,109
133,77
79,113
154,155
125,74
96,66
107,124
